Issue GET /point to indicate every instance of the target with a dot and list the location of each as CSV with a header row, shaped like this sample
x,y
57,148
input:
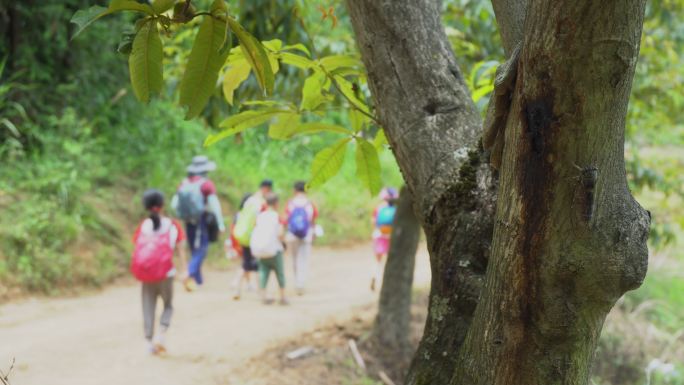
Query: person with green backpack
x,y
197,204
244,226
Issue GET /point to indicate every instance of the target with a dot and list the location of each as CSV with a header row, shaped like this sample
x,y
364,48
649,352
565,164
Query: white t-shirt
x,y
265,241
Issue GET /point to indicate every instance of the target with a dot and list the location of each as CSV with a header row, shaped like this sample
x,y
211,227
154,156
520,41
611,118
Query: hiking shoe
x,y
189,285
159,348
284,302
236,297
267,301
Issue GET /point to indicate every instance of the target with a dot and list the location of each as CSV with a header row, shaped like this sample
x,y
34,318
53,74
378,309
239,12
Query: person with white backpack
x,y
266,244
301,215
155,240
197,204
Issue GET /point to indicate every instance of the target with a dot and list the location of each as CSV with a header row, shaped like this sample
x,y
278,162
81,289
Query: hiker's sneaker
x,y
159,348
283,302
300,291
189,285
267,301
236,297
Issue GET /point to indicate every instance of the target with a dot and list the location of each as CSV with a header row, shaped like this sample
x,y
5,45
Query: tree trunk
x,y
434,130
393,323
569,239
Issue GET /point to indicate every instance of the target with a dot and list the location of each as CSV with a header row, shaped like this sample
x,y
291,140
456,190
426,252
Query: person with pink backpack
x,y
155,240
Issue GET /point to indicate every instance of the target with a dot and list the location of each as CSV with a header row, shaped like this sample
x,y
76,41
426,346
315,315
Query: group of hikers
x,y
258,235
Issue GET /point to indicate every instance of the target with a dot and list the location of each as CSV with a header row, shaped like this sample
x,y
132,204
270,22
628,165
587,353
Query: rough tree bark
x,y
392,324
434,131
569,238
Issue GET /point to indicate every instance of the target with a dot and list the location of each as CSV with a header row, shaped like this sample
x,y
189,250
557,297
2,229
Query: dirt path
x,y
98,339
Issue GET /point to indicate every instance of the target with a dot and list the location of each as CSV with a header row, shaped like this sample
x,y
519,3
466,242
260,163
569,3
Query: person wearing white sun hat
x,y
197,204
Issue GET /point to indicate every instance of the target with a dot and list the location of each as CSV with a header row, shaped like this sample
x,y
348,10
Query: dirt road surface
x,y
98,339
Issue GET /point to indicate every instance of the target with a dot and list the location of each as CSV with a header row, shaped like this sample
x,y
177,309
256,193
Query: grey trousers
x,y
150,292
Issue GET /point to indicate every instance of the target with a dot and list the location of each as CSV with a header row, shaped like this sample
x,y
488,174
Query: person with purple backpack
x,y
156,239
301,215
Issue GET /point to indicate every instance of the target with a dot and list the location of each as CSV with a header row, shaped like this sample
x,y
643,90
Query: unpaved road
x,y
98,339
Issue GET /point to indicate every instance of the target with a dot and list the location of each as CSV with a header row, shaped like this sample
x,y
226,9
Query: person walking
x,y
155,240
266,244
197,204
245,222
383,218
301,215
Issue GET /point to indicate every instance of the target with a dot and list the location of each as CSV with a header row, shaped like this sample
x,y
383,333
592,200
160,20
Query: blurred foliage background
x,y
77,149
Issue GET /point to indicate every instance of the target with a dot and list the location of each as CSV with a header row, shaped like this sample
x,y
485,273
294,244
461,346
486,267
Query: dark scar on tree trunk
x,y
534,181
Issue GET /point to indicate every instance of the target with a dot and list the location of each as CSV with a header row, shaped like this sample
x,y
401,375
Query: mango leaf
x,y
313,91
273,45
327,163
333,62
357,119
299,47
161,6
313,127
282,128
347,89
145,62
296,60
242,121
368,165
204,63
380,139
256,55
83,18
233,77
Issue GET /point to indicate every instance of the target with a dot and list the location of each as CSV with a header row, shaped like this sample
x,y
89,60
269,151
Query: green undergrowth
x,y
68,210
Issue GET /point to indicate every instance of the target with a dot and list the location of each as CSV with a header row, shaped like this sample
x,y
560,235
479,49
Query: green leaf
x,y
313,91
380,139
330,63
256,55
233,77
161,6
273,45
282,128
347,88
327,163
145,62
83,18
299,47
482,92
240,122
357,119
313,127
368,165
204,64
296,60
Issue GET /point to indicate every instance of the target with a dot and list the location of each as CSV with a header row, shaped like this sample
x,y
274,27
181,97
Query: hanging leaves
x,y
205,62
368,165
284,126
314,92
145,62
327,163
237,73
256,56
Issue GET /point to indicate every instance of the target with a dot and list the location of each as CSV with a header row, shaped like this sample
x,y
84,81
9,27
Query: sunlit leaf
x,y
256,55
273,45
299,47
482,92
347,89
313,92
145,62
368,165
380,139
296,60
284,125
242,121
204,64
327,163
357,119
312,128
330,63
233,77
